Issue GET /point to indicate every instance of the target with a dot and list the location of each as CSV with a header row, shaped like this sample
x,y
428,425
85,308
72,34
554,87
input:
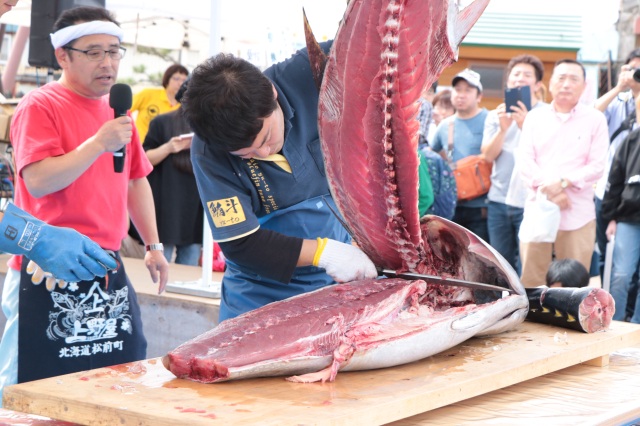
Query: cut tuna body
x,y
356,326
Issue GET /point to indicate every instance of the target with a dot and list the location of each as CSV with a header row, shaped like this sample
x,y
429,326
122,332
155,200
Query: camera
x,y
636,75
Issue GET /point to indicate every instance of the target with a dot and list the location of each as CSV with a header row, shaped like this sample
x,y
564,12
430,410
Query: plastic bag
x,y
540,221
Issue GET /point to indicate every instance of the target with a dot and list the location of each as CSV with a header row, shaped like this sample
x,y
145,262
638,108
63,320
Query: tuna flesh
x,y
361,325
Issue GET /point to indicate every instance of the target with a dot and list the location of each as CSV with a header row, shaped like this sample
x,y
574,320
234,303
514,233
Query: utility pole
x,y
628,24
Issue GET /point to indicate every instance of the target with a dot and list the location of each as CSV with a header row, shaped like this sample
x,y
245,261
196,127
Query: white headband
x,y
67,34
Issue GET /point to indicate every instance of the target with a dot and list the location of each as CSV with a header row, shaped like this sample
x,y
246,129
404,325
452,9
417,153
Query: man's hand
x,y
344,262
114,134
158,267
625,78
552,188
561,199
519,113
179,144
504,117
611,229
63,252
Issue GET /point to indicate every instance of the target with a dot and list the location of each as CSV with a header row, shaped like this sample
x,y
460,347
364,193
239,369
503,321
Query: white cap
x,y
470,76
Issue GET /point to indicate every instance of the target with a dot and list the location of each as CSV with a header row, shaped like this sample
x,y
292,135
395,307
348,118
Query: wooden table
x,y
144,393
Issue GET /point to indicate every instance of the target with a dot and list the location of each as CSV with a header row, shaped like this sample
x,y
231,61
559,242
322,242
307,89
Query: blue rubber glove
x,y
63,252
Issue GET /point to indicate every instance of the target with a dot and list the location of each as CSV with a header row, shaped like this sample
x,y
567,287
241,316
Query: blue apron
x,y
243,291
84,326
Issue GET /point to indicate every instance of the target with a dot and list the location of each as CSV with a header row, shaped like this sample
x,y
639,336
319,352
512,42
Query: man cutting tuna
x,y
260,173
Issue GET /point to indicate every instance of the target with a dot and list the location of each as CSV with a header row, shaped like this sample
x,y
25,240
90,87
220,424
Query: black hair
x,y
568,272
532,60
182,90
226,102
633,54
169,72
572,61
78,15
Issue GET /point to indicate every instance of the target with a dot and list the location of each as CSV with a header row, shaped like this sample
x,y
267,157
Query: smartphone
x,y
512,96
186,135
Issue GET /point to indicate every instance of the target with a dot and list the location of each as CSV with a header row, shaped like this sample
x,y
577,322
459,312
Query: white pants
x,y
9,343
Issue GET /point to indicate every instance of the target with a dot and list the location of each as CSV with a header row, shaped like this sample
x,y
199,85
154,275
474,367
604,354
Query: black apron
x,y
87,325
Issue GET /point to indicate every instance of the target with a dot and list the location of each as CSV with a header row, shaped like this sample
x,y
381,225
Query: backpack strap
x,y
448,157
626,124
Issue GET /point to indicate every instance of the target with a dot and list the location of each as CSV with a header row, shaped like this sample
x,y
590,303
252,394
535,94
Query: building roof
x,y
556,32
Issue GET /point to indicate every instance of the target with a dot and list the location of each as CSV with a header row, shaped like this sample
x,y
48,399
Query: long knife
x,y
428,278
433,279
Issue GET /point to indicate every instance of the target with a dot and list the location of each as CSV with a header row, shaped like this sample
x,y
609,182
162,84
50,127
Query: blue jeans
x,y
601,236
9,342
187,254
474,219
503,223
626,254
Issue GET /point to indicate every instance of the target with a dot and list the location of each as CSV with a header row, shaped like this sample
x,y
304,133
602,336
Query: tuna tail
x,y
460,22
317,57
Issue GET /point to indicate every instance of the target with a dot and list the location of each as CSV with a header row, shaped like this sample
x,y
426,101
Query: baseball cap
x,y
470,76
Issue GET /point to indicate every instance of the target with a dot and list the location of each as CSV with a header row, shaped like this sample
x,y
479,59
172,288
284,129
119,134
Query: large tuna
x,y
356,326
385,52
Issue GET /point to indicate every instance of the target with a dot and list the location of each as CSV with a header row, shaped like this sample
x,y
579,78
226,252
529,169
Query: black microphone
x,y
120,99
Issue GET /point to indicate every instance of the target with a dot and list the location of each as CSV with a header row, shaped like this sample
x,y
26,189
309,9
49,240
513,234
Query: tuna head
x,y
384,54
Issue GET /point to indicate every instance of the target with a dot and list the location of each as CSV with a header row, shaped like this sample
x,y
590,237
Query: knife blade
x,y
433,279
428,278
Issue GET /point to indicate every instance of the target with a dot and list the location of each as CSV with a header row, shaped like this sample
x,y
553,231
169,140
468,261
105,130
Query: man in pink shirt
x,y
562,153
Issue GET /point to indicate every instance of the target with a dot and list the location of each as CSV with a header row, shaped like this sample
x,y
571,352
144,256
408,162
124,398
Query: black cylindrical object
x,y
584,309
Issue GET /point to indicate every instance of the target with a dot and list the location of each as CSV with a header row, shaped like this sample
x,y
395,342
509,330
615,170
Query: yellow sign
x,y
226,212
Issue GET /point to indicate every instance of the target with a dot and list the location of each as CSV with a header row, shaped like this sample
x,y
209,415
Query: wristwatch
x,y
157,246
564,183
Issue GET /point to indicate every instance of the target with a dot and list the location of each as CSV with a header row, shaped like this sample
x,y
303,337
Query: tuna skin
x,y
356,326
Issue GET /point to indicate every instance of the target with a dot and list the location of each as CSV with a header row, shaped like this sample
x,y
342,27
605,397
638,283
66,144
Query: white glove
x,y
343,262
38,275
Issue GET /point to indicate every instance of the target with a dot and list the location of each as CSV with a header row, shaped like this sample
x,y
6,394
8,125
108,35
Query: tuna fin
x,y
465,19
317,57
545,310
558,314
318,376
570,318
472,320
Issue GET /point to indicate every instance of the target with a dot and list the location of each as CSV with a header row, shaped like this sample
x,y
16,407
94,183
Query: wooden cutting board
x,y
579,395
144,393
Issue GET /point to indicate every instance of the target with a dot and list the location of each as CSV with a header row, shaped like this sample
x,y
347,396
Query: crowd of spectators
x,y
581,157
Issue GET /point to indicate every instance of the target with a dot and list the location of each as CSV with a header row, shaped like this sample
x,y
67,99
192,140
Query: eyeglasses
x,y
97,55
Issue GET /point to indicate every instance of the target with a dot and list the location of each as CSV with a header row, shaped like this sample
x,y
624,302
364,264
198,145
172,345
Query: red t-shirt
x,y
53,121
